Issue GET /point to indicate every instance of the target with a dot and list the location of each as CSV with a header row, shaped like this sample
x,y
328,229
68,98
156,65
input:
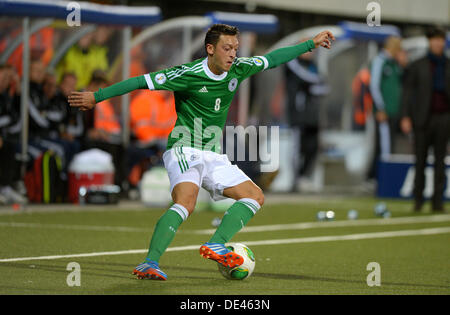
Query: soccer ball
x,y
352,214
243,271
325,216
380,209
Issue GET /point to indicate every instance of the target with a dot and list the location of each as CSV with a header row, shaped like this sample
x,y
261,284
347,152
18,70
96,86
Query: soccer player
x,y
203,91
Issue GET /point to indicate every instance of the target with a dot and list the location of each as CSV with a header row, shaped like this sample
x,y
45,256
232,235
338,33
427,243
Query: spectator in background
x,y
38,123
73,126
152,118
104,129
305,87
43,120
385,88
106,43
83,59
361,97
9,103
426,113
54,109
402,59
57,112
41,46
106,124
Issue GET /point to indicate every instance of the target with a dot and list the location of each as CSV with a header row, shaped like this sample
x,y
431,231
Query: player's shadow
x,y
284,276
279,276
211,273
187,270
166,268
62,269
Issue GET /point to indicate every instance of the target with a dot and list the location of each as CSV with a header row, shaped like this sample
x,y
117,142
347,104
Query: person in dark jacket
x,y
9,116
304,87
426,113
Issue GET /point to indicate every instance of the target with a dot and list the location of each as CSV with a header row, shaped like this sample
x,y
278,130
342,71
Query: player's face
x,y
225,52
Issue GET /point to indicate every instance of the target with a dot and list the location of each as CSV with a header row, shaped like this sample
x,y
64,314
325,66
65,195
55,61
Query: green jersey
x,y
202,98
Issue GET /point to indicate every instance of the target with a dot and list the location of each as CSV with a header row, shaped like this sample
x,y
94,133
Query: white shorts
x,y
214,172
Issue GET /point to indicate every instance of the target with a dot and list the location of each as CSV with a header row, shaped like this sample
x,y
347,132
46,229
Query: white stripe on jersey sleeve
x,y
149,81
244,60
179,74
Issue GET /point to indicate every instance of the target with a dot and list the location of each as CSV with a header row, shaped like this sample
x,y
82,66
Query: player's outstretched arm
x,y
87,100
286,54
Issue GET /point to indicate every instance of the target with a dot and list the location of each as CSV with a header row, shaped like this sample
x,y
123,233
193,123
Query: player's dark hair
x,y
213,34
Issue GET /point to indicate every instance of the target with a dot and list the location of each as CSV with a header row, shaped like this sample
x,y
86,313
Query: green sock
x,y
165,231
234,220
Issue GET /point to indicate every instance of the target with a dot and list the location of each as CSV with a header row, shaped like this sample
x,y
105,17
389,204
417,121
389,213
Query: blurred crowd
x,y
54,125
407,100
409,97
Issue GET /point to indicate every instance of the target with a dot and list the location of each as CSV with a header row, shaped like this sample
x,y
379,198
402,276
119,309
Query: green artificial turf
x,y
417,264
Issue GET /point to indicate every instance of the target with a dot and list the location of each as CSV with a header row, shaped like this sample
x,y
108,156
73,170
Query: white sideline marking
x,y
259,228
342,223
351,237
75,227
348,237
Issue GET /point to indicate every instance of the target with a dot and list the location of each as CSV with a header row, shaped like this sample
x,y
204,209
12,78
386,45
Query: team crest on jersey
x,y
160,78
233,84
258,61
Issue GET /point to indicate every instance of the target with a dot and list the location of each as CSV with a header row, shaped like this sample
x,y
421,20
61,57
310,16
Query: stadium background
x,y
339,178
